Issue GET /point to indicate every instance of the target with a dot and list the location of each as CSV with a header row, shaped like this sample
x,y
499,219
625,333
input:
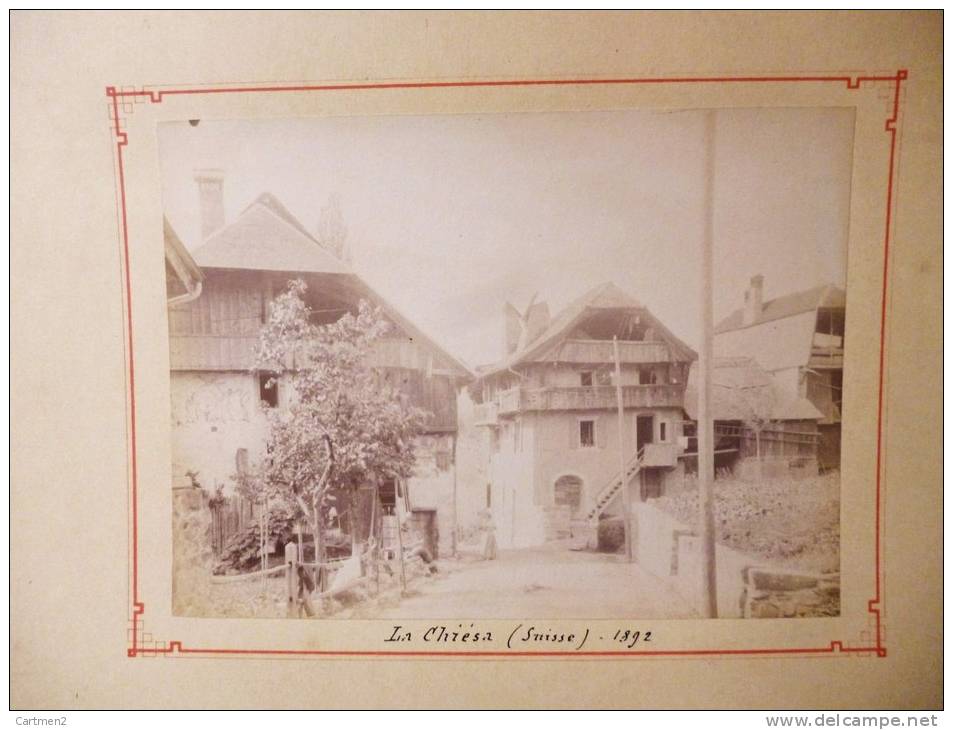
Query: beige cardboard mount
x,y
91,611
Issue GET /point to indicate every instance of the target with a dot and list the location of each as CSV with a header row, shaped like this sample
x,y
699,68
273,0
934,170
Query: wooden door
x,y
425,525
644,430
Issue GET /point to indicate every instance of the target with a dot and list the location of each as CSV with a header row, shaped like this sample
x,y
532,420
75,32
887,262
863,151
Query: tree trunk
x,y
321,575
757,440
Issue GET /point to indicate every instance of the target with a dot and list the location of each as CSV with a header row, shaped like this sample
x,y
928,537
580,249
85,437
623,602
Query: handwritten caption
x,y
522,637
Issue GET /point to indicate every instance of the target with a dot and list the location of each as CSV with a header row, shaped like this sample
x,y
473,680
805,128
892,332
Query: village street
x,y
550,582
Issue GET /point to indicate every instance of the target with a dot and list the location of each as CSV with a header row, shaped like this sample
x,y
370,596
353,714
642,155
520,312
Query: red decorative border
x,y
142,644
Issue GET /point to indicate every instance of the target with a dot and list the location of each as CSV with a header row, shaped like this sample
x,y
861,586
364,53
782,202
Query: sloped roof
x,y
407,325
266,237
787,306
178,258
737,382
605,296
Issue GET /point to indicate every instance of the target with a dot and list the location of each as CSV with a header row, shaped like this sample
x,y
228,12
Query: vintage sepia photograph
x,y
477,360
571,365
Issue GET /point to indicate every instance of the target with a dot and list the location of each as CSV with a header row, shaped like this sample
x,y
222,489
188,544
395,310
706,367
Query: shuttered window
x,y
587,434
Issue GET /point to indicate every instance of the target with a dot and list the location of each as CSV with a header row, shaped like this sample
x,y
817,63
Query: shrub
x,y
242,552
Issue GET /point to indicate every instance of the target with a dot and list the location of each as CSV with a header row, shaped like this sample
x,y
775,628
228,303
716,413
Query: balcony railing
x,y
509,401
660,455
595,351
485,414
589,398
826,358
237,352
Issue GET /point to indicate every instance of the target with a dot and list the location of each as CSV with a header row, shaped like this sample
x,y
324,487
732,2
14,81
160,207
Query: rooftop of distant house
x,y
755,311
532,334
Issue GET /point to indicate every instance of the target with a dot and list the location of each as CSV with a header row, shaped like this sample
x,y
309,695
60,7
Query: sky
x,y
450,216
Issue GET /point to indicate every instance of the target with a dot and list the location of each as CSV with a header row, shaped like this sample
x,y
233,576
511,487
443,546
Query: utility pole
x,y
706,441
626,497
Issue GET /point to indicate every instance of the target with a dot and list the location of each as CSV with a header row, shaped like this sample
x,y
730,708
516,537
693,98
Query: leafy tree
x,y
346,425
758,404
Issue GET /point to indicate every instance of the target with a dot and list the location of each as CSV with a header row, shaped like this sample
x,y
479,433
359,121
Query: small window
x,y
241,461
587,434
646,376
585,379
489,495
268,389
662,431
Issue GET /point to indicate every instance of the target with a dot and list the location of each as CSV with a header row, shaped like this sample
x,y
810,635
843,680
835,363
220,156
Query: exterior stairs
x,y
614,487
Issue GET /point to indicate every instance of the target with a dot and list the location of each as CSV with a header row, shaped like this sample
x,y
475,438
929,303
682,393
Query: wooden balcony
x,y
485,414
660,455
237,352
593,398
827,351
826,359
601,351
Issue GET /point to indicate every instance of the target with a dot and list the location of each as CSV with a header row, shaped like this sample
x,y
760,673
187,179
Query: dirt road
x,y
543,582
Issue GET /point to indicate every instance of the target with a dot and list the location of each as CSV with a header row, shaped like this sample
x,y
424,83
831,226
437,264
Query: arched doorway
x,y
567,492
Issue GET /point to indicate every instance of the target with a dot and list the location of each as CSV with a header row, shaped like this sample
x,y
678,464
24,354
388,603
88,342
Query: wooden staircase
x,y
614,487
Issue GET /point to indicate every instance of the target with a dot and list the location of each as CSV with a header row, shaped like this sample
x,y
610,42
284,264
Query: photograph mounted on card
x,y
542,367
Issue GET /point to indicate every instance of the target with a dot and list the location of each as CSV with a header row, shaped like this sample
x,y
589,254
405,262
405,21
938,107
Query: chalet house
x,y
799,340
219,401
759,429
550,410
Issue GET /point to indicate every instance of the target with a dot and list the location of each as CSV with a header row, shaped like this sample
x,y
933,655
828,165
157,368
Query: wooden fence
x,y
301,586
229,518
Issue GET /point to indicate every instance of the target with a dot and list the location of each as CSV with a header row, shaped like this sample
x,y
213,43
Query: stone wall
x,y
214,415
747,587
432,485
791,594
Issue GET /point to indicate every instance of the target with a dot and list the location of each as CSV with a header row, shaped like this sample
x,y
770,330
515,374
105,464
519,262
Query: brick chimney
x,y
512,328
754,298
211,185
537,320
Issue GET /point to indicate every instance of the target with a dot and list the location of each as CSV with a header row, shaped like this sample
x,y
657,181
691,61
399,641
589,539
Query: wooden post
x,y
706,440
400,545
626,497
291,568
320,572
372,546
456,520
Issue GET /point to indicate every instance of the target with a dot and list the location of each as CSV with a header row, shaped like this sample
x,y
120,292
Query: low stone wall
x,y
746,586
794,467
791,594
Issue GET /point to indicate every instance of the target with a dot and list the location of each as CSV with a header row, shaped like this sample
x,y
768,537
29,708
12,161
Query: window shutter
x,y
241,461
601,428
